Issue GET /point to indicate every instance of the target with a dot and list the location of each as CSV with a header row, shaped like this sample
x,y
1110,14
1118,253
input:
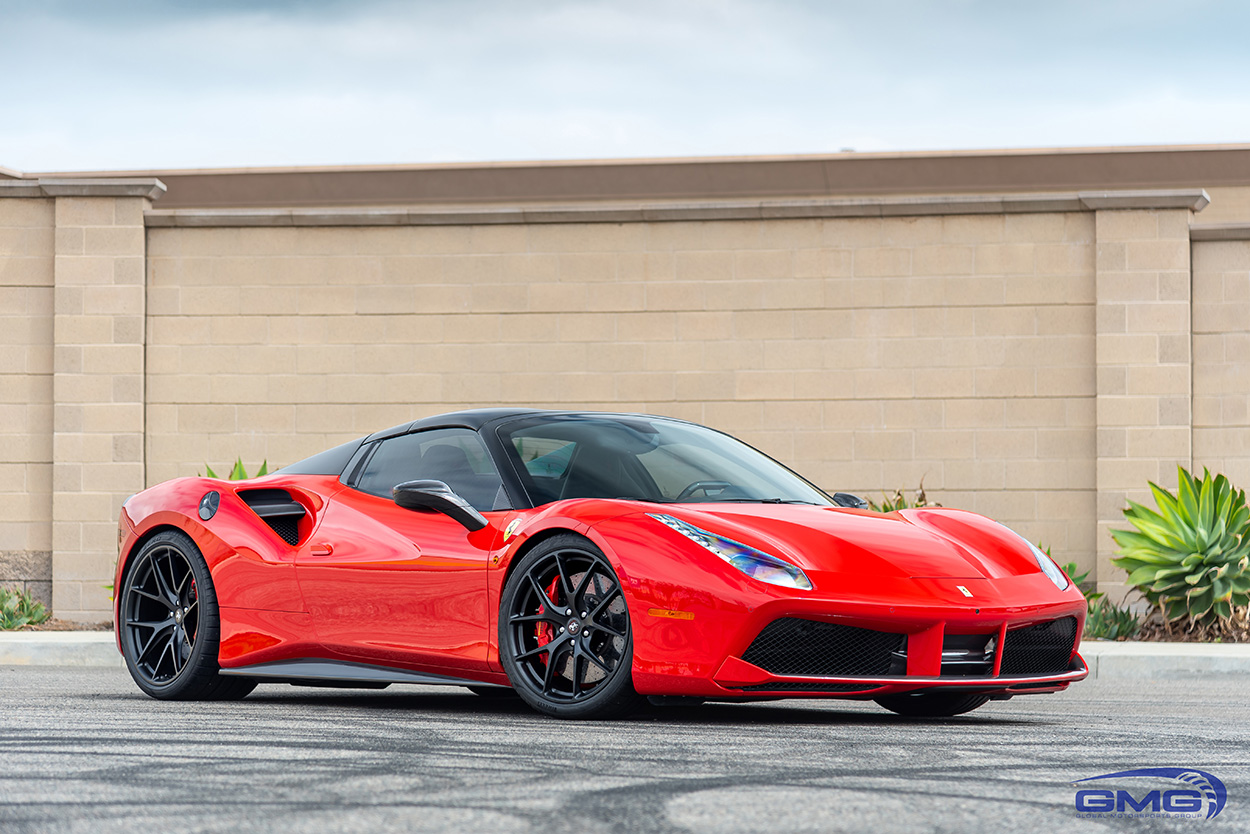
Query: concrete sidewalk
x,y
1106,659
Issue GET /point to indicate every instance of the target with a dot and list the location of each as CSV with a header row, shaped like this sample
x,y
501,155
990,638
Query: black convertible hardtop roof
x,y
478,417
473,418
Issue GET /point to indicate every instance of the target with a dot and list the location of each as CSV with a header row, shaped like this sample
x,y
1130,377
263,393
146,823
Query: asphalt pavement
x,y
82,750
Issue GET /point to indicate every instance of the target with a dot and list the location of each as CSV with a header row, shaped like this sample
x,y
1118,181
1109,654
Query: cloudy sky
x,y
99,84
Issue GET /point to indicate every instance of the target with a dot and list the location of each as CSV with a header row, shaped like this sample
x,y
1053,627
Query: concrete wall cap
x,y
20,188
148,187
1219,231
1194,199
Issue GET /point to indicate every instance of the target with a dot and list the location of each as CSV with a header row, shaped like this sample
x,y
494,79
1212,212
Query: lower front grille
x,y
782,686
792,646
1042,649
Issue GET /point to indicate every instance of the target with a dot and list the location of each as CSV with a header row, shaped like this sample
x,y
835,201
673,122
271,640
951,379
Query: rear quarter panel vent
x,y
287,517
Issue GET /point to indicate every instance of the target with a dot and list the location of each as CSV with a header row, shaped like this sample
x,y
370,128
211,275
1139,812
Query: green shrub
x,y
1192,557
1106,620
238,473
17,609
898,501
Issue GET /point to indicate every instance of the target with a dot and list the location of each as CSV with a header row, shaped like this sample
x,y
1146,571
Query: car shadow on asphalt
x,y
781,712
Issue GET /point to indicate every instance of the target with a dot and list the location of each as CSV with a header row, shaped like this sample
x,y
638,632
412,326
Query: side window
x,y
454,456
546,460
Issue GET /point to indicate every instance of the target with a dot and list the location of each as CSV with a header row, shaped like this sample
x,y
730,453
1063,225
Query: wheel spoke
x,y
173,576
546,617
580,592
153,597
606,629
549,673
182,651
579,674
542,595
183,583
605,602
162,584
150,623
594,658
152,640
155,665
565,583
545,647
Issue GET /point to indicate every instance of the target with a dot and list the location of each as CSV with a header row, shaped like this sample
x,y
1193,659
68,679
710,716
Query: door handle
x,y
322,549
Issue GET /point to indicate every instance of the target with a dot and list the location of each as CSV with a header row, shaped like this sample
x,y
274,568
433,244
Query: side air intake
x,y
278,509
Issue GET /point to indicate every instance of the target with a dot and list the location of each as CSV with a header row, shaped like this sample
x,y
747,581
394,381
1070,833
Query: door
x,y
389,585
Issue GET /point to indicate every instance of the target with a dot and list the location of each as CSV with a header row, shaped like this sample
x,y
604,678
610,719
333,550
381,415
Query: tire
x,y
564,632
170,627
932,704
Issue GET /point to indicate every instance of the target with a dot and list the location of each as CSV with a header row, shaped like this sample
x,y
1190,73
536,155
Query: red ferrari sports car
x,y
583,561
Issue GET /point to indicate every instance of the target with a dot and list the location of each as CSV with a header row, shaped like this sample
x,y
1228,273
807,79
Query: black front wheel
x,y
170,626
932,704
564,632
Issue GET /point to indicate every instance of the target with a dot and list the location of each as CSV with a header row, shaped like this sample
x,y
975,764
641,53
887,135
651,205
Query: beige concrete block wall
x,y
868,353
98,392
1144,408
26,281
1221,321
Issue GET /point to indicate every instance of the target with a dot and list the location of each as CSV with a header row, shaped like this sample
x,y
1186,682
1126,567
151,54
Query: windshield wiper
x,y
648,500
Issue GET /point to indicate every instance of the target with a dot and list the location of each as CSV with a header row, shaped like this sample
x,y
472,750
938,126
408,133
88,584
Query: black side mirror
x,y
437,497
845,499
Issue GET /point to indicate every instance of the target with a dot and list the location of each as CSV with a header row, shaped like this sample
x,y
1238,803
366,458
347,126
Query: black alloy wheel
x,y
564,632
170,627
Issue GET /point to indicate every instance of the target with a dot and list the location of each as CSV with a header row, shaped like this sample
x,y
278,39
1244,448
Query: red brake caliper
x,y
544,633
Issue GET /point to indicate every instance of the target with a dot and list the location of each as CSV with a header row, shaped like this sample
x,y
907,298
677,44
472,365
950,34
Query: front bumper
x,y
739,678
700,653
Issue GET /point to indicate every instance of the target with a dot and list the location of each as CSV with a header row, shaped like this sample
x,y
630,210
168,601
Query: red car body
x,y
370,583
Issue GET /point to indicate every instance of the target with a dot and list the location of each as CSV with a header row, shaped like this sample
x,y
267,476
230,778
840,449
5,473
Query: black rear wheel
x,y
170,626
564,632
932,704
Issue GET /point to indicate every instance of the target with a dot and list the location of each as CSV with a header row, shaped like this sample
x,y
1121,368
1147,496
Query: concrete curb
x,y
1141,661
59,648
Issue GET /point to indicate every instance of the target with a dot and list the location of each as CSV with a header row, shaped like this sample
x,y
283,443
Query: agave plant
x,y
238,473
898,501
1192,557
18,609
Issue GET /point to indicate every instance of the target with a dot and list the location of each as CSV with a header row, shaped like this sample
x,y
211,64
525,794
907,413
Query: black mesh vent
x,y
278,509
791,646
286,526
1042,649
777,686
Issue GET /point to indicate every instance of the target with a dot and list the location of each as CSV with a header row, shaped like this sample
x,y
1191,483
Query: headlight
x,y
754,563
1049,567
1044,562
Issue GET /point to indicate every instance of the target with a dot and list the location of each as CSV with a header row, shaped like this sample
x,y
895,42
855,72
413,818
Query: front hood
x,y
935,542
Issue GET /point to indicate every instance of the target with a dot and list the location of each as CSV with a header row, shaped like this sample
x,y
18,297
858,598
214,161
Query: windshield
x,y
644,458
